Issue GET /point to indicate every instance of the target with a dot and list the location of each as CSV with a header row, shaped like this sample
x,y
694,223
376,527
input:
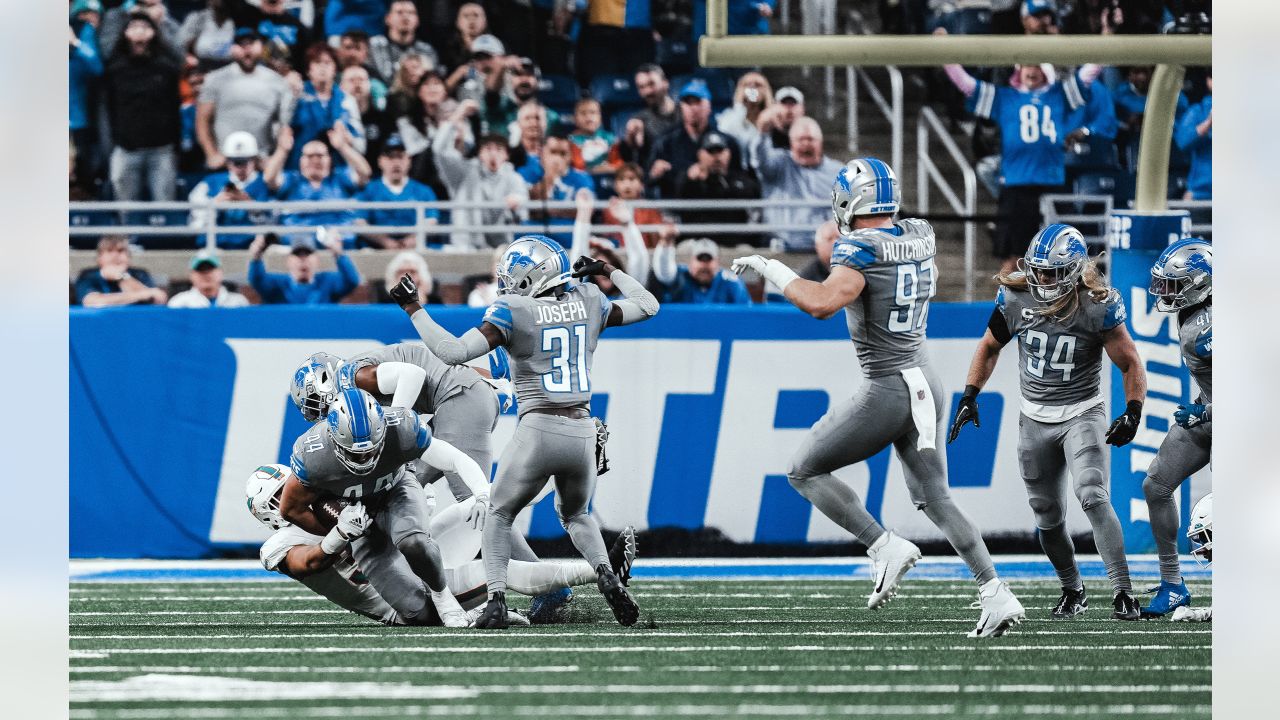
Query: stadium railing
x,y
927,171
1091,213
891,109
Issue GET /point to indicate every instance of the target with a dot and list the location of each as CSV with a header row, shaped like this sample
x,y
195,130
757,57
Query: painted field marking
x,y
980,647
613,633
541,669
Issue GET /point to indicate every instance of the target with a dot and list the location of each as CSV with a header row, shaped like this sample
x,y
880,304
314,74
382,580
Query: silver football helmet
x,y
1200,532
1054,262
532,265
358,429
262,493
865,186
315,385
1183,275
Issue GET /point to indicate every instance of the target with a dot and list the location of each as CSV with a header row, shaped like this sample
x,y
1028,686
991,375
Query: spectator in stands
x,y
776,120
1131,104
208,35
353,51
321,105
84,67
617,37
636,263
502,103
801,173
114,22
702,281
342,16
395,185
486,178
375,122
207,289
1040,17
1194,134
315,178
486,71
557,181
751,97
531,131
114,282
242,96
659,116
141,88
1095,119
410,73
401,39
595,150
303,284
824,239
746,17
628,185
678,149
190,156
414,265
715,178
240,182
284,36
485,291
431,109
471,22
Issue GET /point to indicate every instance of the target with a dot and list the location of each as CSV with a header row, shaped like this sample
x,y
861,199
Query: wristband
x,y
778,274
333,543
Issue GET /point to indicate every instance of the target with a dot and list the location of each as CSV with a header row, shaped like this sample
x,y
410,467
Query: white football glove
x,y
479,511
353,522
750,262
774,271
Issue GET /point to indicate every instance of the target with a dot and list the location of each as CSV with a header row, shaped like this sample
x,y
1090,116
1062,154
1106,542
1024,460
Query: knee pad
x,y
1048,512
1091,490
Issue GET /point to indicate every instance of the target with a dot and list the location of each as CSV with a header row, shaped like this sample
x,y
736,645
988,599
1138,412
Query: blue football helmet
x,y
532,266
865,186
315,385
1054,262
1183,275
358,428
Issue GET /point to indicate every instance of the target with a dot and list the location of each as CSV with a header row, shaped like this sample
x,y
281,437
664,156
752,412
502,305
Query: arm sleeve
x,y
664,264
452,166
402,381
447,458
963,81
637,303
452,350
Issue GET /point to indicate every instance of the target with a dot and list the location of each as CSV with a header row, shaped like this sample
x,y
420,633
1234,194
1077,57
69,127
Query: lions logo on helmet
x,y
315,385
1183,275
358,428
262,493
1054,262
865,186
532,266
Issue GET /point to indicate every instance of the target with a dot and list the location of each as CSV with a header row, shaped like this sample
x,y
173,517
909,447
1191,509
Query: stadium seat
x,y
558,92
616,93
1095,154
677,56
87,218
1119,185
163,218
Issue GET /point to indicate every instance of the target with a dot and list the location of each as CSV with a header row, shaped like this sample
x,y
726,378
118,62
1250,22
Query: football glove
x,y
479,511
1125,427
750,262
500,363
585,266
1189,416
405,292
353,522
602,438
966,412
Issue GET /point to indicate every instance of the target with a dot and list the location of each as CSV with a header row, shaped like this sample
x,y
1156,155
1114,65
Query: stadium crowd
x,y
507,104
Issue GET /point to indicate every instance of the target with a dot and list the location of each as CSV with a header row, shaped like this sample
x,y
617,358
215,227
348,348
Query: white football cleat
x,y
889,564
451,613
1000,610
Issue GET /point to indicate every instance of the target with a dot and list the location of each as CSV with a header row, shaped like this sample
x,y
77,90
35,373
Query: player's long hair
x,y
1062,309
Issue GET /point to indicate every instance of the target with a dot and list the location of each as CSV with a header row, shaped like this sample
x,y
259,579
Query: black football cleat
x,y
494,616
1124,607
623,554
1072,604
620,602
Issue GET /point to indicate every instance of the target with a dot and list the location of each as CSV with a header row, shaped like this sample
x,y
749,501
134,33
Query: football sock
x,y
841,504
1163,512
1062,555
1109,538
963,536
537,578
495,544
584,531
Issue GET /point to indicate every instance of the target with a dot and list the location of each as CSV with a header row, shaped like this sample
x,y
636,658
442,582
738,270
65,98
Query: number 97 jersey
x,y
887,320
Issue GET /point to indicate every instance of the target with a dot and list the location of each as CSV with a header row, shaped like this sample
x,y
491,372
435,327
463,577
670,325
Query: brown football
x,y
327,511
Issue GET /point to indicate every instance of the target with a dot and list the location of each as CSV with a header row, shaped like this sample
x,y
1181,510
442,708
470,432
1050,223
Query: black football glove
x,y
586,265
405,292
966,412
1125,427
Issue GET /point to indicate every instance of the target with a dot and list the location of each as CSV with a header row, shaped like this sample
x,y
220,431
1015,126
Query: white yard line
x,y
415,649
540,669
611,632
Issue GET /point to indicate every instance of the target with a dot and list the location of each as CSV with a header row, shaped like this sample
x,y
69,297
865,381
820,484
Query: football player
x,y
1182,281
883,275
324,564
360,452
550,326
1201,535
1064,316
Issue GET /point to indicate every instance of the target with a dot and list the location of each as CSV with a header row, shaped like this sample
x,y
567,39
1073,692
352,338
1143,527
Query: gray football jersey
x,y
1061,362
551,341
887,321
315,459
1195,335
443,380
341,583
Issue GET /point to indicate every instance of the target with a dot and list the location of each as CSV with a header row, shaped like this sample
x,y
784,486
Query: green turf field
x,y
766,648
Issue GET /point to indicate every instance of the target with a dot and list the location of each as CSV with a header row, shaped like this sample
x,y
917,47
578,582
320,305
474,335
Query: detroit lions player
x,y
550,325
1182,281
1064,317
324,564
361,452
883,275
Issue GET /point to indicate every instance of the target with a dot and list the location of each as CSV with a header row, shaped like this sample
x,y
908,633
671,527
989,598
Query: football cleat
x,y
1000,610
623,554
1124,607
543,608
1071,604
620,601
494,616
888,565
1169,596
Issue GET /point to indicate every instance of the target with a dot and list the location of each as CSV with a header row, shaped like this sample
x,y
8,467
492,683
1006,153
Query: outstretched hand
x,y
405,292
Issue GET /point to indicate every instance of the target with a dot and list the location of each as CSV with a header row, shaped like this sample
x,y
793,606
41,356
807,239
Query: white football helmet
x,y
1200,531
263,494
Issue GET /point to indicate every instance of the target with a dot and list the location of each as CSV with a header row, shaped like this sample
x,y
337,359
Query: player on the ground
x,y
550,326
883,275
362,453
1182,280
1200,533
324,564
1064,316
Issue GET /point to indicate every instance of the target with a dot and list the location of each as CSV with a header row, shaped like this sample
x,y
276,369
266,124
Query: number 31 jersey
x,y
887,320
551,341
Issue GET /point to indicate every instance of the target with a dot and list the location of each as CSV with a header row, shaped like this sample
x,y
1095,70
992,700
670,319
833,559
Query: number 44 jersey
x,y
887,320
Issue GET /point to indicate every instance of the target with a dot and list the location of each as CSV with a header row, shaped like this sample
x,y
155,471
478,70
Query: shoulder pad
x,y
857,250
499,314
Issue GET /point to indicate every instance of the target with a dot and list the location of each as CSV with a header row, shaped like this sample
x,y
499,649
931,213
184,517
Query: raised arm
x,y
637,303
453,350
632,239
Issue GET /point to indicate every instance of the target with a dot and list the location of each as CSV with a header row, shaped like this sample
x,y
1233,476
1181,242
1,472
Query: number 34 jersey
x,y
1061,361
551,340
887,320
